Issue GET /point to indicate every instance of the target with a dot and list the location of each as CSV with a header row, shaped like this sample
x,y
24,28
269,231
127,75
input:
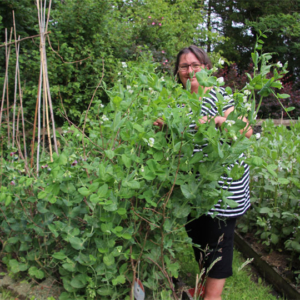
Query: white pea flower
x,y
151,142
105,118
214,69
124,65
234,137
221,61
130,91
247,92
220,80
167,158
101,105
230,122
257,135
119,73
142,169
128,87
248,106
245,98
279,64
162,79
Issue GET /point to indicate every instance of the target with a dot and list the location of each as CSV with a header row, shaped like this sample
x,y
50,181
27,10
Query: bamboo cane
x,y
16,83
46,74
5,78
7,90
35,121
39,121
44,69
21,107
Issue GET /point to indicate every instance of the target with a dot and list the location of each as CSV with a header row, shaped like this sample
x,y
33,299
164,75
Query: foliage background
x,y
88,37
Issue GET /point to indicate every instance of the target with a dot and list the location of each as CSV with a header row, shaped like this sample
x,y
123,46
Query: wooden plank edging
x,y
277,122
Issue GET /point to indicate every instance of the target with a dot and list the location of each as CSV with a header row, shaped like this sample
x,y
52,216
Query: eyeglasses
x,y
185,68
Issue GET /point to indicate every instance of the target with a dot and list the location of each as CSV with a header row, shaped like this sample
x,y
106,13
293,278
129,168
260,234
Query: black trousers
x,y
215,238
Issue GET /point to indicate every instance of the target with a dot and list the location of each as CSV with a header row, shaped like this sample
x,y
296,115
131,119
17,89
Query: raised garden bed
x,y
268,266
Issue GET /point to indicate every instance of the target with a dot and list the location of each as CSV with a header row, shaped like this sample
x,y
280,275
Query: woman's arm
x,y
219,120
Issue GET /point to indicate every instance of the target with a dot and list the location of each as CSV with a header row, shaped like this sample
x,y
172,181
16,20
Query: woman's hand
x,y
218,120
159,122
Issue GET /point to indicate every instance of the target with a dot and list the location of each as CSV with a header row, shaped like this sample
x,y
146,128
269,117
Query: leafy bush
x,y
275,183
119,196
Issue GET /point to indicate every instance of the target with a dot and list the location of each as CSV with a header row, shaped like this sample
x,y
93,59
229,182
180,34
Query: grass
x,y
243,285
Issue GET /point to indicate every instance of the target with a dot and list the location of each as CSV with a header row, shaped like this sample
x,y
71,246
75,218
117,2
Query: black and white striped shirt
x,y
238,188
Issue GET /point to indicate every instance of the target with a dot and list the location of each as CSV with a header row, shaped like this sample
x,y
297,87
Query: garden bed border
x,y
281,284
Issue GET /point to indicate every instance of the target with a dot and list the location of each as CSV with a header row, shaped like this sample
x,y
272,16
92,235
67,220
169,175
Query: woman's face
x,y
186,60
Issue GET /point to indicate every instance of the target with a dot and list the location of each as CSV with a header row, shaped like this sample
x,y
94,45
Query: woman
x,y
215,234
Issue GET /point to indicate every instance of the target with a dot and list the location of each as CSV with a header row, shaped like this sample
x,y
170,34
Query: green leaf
x,y
76,243
8,200
256,161
69,267
189,190
110,154
283,181
121,211
12,240
289,108
274,238
131,184
271,169
93,187
265,210
105,291
102,191
126,160
283,96
42,195
84,191
119,280
231,203
17,267
126,236
94,198
109,259
59,255
62,159
138,127
79,281
67,285
35,272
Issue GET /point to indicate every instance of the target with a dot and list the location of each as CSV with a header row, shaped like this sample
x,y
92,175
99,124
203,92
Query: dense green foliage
x,y
275,183
89,39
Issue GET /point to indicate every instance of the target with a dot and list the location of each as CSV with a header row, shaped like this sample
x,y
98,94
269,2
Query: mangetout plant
x,y
275,184
112,205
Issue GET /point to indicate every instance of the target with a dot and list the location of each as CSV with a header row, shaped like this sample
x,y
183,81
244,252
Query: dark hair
x,y
198,52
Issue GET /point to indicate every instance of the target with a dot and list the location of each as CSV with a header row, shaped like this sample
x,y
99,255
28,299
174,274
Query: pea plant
x,y
275,184
111,206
